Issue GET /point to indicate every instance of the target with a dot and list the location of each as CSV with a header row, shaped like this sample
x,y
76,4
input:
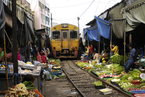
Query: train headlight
x,y
53,47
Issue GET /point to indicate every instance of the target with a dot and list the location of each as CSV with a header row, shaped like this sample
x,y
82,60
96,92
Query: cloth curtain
x,y
117,21
2,21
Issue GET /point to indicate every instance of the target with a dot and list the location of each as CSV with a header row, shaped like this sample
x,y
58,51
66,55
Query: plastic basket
x,y
138,92
57,73
100,87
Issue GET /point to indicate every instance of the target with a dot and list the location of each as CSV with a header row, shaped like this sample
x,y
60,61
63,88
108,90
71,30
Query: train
x,y
65,41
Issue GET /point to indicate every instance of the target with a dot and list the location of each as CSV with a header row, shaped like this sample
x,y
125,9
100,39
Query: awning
x,y
134,14
104,27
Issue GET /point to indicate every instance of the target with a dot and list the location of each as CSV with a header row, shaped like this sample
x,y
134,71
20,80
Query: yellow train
x,y
65,41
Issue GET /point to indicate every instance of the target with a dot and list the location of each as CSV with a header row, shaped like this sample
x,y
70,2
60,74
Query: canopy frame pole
x,y
111,39
6,68
88,38
99,45
14,50
124,40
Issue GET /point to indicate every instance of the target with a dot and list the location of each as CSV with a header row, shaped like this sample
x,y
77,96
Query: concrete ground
x,y
59,87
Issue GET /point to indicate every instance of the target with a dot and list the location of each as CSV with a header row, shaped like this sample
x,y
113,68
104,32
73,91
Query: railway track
x,y
83,82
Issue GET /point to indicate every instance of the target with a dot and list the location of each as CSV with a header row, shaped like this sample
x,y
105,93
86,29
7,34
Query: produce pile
x,y
56,68
26,89
98,83
119,59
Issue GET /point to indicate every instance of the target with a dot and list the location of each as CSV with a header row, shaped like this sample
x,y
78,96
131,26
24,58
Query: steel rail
x,y
82,94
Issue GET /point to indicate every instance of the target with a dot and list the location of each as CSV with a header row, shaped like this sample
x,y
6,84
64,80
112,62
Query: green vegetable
x,y
119,59
98,83
135,73
29,85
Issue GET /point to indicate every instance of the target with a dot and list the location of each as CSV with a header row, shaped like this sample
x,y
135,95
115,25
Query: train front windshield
x,y
56,34
73,34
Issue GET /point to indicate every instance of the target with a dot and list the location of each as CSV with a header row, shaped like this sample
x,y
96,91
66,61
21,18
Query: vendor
x,y
96,56
115,48
105,56
87,52
132,58
91,51
22,50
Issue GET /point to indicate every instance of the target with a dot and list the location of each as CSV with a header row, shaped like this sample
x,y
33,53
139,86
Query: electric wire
x,y
71,5
96,8
87,8
107,5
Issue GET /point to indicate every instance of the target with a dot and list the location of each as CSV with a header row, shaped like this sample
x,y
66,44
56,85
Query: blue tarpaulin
x,y
92,33
85,33
104,27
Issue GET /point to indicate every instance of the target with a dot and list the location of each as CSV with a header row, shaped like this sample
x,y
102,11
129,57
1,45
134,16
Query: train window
x,y
56,34
73,34
64,35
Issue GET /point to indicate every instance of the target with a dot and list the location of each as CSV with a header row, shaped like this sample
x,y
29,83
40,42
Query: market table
x,y
20,76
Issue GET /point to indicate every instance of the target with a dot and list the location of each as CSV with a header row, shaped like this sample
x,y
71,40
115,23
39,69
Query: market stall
x,y
23,69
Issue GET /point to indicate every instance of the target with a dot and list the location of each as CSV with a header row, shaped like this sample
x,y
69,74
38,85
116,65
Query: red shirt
x,y
91,49
43,58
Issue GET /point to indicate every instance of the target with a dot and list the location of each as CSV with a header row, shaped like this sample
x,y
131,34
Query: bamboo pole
x,y
6,68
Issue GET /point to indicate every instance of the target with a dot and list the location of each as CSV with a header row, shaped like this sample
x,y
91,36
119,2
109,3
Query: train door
x,y
65,39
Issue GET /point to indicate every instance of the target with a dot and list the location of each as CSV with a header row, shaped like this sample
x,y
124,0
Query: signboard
x,y
64,25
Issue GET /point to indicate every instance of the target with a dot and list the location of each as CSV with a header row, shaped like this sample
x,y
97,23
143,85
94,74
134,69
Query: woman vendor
x,y
115,48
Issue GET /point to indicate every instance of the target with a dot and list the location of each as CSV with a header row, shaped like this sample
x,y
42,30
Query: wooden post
x,y
14,30
6,68
130,38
